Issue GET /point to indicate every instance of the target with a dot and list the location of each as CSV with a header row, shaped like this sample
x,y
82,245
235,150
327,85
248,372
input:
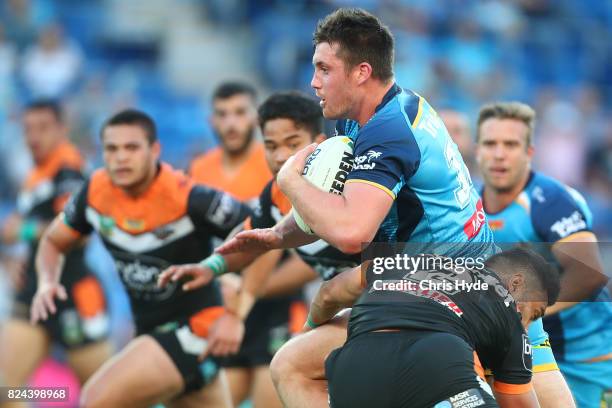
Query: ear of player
x,y
327,168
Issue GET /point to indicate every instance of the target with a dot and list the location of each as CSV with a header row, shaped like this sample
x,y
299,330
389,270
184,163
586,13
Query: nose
x,y
499,152
281,155
314,82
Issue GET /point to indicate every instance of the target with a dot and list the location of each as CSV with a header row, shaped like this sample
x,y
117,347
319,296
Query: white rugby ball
x,y
327,169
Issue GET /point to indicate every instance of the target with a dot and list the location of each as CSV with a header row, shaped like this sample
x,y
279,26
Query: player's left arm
x,y
334,295
565,220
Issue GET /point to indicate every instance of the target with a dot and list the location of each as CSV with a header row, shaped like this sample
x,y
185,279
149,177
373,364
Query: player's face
x,y
282,139
503,155
42,132
235,119
531,311
332,82
128,156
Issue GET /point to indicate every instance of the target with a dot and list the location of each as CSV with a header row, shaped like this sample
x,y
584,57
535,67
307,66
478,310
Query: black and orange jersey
x,y
170,223
325,259
43,195
247,182
437,296
50,183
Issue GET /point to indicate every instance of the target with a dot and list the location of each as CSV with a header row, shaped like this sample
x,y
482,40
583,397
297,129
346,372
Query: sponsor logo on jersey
x,y
364,162
568,225
472,227
527,353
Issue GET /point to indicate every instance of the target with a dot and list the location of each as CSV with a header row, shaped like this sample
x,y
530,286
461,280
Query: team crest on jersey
x,y
133,225
365,162
496,225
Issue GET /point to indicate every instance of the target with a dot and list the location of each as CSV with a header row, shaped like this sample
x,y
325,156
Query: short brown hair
x,y
361,38
508,110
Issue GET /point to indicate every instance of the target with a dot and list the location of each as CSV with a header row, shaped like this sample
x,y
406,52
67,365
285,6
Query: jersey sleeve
x,y
262,214
512,371
214,211
66,182
558,212
386,156
74,214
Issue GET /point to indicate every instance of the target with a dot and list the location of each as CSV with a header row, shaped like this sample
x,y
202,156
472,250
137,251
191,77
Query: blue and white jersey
x,y
548,211
406,151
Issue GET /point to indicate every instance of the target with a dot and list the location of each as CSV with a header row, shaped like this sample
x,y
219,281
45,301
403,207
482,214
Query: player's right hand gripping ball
x,y
327,169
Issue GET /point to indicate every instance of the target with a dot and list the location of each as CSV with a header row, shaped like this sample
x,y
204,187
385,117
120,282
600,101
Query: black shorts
x,y
80,320
409,369
270,324
184,340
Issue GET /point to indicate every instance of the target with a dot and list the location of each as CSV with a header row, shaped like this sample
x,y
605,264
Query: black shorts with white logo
x,y
411,369
184,342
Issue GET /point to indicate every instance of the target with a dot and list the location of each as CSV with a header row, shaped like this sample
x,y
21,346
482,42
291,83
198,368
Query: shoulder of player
x,y
545,192
64,157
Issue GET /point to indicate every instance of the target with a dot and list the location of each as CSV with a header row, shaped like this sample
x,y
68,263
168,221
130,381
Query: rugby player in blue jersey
x,y
527,206
409,182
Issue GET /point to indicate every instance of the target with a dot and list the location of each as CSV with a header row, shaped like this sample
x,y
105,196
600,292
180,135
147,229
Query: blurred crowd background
x,y
166,56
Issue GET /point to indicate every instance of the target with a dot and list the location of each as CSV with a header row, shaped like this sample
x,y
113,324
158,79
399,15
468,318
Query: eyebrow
x,y
292,136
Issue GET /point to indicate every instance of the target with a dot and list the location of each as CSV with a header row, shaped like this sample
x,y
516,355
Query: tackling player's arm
x,y
334,295
579,258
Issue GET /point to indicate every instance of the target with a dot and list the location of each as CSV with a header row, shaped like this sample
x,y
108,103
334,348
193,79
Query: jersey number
x,y
455,163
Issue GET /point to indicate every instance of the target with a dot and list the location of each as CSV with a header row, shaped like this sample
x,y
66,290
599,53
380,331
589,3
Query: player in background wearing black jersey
x,y
81,322
149,216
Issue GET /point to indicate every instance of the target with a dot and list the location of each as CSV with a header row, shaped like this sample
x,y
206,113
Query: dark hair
x,y
228,89
539,272
50,105
302,110
136,118
361,37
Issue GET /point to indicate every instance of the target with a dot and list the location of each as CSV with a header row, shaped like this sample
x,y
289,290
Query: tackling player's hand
x,y
256,240
196,274
43,303
225,336
294,166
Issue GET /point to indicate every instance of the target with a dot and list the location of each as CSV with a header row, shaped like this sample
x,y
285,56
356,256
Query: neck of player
x,y
373,92
496,200
233,160
143,185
